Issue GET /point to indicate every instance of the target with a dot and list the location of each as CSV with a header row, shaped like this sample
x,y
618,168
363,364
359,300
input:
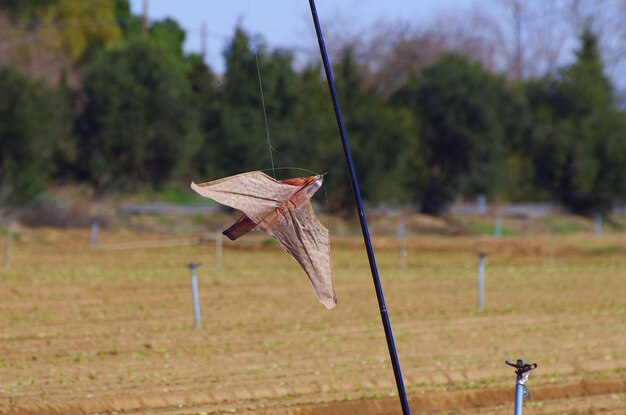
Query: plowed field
x,y
102,330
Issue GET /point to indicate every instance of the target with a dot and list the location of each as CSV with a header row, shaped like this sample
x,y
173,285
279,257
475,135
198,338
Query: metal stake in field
x,y
497,228
359,204
481,281
93,237
194,292
521,392
598,224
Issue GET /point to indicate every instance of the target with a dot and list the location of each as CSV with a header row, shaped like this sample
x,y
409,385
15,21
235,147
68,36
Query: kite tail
x,y
243,225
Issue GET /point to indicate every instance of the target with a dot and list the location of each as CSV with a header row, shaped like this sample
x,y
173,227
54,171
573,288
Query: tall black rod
x,y
359,204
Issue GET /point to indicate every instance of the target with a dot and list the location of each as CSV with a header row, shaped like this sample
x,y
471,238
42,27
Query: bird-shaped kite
x,y
282,209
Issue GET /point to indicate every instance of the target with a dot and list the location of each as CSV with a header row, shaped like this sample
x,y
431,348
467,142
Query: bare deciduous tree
x,y
520,38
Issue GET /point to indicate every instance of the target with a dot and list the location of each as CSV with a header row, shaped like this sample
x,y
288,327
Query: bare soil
x,y
86,330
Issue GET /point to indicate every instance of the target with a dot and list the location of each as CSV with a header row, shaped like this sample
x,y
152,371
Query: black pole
x,y
359,204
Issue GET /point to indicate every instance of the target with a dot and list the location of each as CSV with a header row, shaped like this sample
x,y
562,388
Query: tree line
x,y
132,111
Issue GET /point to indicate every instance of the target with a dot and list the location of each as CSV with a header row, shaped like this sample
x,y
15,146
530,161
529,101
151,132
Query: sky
x,y
283,23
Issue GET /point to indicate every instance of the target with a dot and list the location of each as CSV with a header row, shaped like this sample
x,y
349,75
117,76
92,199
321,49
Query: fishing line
x,y
267,128
292,168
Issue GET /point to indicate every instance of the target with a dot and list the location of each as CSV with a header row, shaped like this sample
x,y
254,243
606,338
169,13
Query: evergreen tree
x,y
381,139
579,135
168,34
469,122
33,121
129,24
205,90
139,122
317,146
242,143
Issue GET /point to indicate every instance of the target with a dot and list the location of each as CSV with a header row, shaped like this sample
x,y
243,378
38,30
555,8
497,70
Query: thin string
x,y
290,168
267,127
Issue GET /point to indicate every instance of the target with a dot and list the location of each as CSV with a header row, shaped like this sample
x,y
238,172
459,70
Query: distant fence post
x,y
481,281
598,224
93,237
194,293
8,247
481,202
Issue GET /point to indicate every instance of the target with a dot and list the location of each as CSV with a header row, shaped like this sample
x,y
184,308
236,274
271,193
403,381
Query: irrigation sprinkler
x,y
482,257
93,237
194,292
521,392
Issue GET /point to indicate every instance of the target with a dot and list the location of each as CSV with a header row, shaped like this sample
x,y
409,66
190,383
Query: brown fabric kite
x,y
282,209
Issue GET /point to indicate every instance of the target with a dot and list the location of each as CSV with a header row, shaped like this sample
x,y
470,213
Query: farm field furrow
x,y
101,330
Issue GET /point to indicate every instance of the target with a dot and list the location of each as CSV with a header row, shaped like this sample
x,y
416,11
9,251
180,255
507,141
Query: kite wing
x,y
299,232
255,193
283,210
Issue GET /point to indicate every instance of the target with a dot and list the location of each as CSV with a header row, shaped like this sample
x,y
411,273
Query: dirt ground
x,y
109,329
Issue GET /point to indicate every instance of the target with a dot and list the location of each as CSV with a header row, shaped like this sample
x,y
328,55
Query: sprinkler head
x,y
193,265
522,367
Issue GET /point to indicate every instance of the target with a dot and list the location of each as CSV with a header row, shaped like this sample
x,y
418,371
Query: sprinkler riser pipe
x,y
196,299
481,284
519,396
93,237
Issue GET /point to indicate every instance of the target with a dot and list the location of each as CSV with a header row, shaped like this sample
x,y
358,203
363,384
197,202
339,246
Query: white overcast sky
x,y
283,23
